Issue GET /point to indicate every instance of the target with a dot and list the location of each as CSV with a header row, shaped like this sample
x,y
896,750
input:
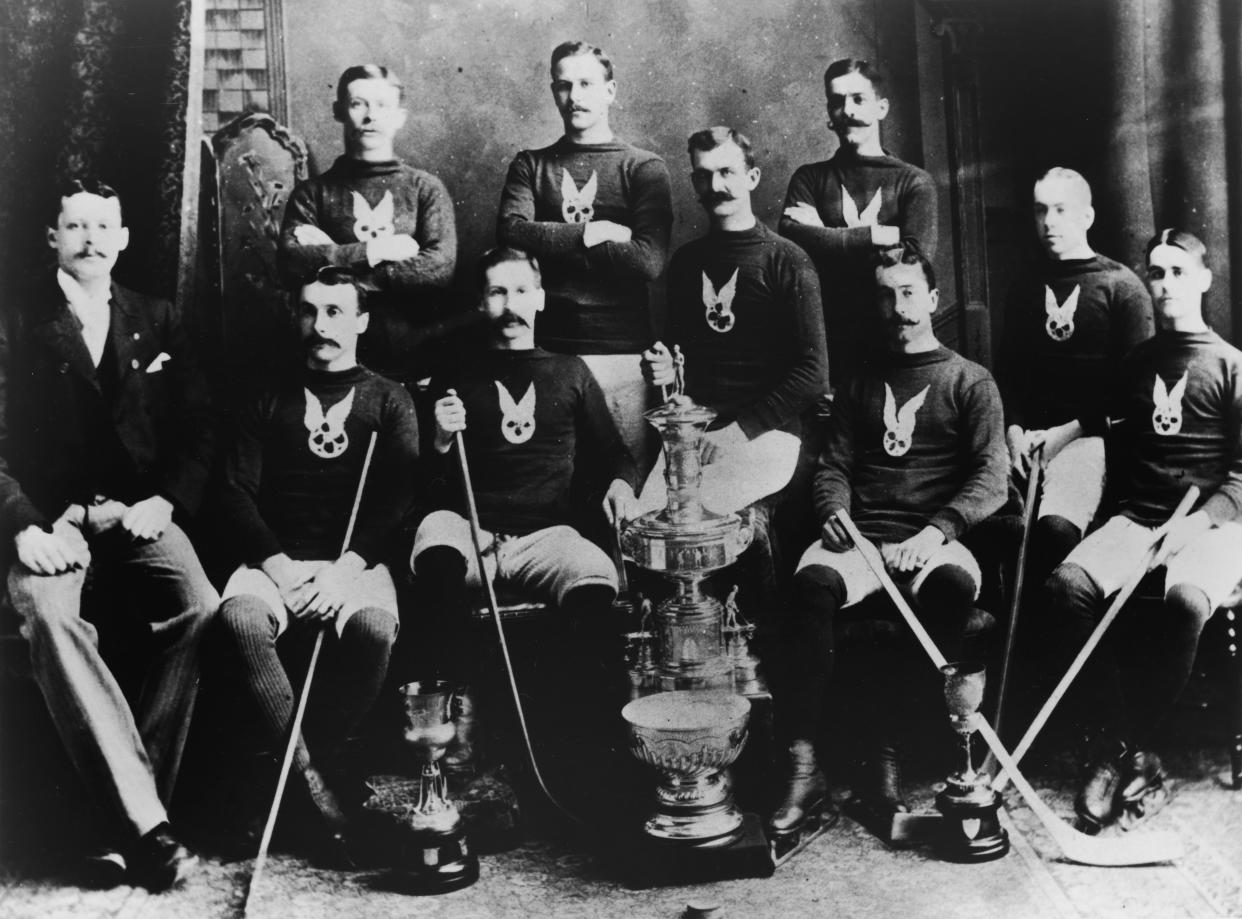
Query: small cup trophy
x,y
972,831
443,860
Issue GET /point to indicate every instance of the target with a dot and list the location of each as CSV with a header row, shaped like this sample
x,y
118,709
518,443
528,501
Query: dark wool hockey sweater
x,y
1068,324
530,417
292,470
354,202
597,297
1177,422
744,307
844,191
933,453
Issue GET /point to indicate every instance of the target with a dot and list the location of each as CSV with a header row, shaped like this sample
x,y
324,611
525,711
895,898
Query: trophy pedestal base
x,y
435,863
971,831
647,862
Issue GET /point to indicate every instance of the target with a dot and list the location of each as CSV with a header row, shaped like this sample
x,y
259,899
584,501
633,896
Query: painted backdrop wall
x,y
476,78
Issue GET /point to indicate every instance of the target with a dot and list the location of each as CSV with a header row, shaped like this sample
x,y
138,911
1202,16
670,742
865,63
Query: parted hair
x,y
1182,239
79,185
574,48
501,254
854,65
366,72
718,136
332,275
907,252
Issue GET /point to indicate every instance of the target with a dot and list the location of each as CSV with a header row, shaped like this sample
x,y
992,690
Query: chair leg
x,y
1235,669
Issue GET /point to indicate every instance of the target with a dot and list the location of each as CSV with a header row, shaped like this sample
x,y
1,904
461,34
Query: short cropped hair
x,y
1175,236
711,138
366,72
79,185
574,49
499,256
333,275
907,252
1072,176
854,65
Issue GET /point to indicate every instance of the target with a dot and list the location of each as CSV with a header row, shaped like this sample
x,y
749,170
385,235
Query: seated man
x,y
391,223
1069,320
105,436
916,455
1175,423
744,309
291,476
531,414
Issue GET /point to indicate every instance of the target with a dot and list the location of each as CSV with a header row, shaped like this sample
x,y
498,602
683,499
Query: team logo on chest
x,y
1166,415
517,419
373,222
578,206
326,435
899,422
718,304
869,216
1060,322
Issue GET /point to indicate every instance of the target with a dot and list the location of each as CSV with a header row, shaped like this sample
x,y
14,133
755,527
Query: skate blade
x,y
891,827
820,818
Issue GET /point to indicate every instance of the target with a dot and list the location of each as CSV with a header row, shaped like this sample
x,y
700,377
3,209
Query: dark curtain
x,y
93,87
1174,148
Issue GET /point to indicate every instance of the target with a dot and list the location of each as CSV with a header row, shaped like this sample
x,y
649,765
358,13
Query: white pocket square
x,y
160,360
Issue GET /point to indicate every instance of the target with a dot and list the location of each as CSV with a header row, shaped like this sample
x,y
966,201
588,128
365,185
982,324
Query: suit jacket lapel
x,y
60,330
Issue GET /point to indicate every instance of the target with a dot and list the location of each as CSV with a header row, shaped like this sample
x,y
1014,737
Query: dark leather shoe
x,y
1144,793
159,861
1098,801
884,782
103,869
805,789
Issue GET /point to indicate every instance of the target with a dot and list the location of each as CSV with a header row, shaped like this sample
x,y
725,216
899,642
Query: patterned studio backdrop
x,y
95,87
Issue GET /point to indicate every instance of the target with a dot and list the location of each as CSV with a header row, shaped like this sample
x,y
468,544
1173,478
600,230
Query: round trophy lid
x,y
679,409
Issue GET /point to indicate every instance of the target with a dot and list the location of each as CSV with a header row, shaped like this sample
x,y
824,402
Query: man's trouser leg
x,y
87,706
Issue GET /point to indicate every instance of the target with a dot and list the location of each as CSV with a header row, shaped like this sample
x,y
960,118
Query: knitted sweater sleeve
x,y
1132,321
389,490
298,263
239,490
819,242
807,374
644,255
984,490
1013,371
516,224
436,236
919,213
1225,503
835,467
595,425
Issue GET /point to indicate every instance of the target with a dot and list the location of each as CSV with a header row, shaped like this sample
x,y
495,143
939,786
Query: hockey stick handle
x,y
1154,555
299,714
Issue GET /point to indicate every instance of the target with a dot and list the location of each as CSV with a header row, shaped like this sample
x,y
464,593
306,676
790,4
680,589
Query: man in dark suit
x,y
105,436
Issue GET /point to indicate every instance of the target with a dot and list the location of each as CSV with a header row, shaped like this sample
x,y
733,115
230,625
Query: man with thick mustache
x,y
105,443
291,474
533,416
597,213
843,210
743,306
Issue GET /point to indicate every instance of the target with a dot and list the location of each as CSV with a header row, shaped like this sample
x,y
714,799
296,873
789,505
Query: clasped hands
x,y
903,557
315,591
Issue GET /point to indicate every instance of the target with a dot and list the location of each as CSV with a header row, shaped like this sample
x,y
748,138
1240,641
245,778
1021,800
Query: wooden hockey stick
x,y
1138,849
1154,556
260,860
1015,601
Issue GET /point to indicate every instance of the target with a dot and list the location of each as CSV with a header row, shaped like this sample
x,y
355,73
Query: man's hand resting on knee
x,y
325,595
909,556
53,553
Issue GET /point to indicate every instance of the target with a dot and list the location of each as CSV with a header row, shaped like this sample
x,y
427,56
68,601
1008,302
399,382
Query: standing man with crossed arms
x,y
597,214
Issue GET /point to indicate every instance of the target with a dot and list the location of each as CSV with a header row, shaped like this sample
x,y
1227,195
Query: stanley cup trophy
x,y
443,861
685,542
695,724
972,831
